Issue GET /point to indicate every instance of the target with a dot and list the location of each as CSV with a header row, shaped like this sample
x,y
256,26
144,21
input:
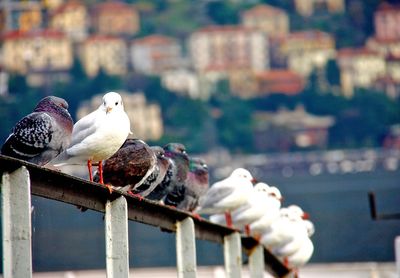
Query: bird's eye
x,y
116,103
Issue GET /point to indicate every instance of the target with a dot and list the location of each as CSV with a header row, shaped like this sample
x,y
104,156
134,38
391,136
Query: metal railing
x,y
21,179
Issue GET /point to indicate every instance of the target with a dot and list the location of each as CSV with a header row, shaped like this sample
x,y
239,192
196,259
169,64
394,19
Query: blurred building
x,y
359,67
266,83
51,4
155,54
387,21
115,18
183,82
286,130
308,50
146,119
307,7
71,18
20,15
388,85
220,49
107,53
386,47
271,20
40,54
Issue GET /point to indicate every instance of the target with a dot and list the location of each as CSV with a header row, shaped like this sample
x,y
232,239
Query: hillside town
x,y
258,57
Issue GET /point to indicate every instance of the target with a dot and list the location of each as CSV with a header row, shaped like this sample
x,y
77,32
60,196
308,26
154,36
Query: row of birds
x,y
48,137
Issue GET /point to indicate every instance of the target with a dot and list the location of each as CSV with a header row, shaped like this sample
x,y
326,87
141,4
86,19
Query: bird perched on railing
x,y
195,186
130,166
43,134
97,136
157,175
176,175
227,195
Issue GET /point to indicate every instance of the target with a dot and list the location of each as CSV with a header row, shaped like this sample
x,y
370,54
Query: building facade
x,y
220,49
307,7
155,54
387,22
107,53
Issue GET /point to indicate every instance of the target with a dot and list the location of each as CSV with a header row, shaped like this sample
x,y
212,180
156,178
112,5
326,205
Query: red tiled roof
x,y
263,10
72,4
153,40
384,40
47,33
280,81
387,7
113,6
352,52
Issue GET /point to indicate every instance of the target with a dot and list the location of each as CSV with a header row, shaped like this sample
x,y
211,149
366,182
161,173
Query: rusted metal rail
x,y
118,208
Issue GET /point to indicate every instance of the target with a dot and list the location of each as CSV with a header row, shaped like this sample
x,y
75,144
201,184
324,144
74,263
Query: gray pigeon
x,y
42,135
157,175
196,185
130,166
176,174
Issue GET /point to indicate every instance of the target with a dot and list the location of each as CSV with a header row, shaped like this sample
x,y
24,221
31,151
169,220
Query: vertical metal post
x,y
17,232
186,248
233,255
397,253
117,248
256,262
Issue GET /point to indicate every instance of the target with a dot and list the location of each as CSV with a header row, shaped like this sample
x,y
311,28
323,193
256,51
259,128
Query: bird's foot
x,y
197,216
136,195
109,187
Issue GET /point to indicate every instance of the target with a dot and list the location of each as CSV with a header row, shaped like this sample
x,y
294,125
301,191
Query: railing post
x,y
186,248
17,232
256,262
117,248
233,255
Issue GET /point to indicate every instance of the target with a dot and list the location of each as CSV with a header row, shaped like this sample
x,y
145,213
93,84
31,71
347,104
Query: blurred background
x,y
305,94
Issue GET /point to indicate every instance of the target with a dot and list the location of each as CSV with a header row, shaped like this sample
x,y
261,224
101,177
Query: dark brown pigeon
x,y
42,135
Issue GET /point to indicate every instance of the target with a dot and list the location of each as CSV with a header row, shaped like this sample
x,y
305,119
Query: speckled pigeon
x,y
157,175
177,171
130,166
42,135
196,185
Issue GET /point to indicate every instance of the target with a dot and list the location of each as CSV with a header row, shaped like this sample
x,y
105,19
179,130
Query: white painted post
x,y
17,232
397,253
233,255
256,262
186,248
117,248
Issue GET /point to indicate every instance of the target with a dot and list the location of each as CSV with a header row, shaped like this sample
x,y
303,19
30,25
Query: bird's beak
x,y
305,216
254,181
108,110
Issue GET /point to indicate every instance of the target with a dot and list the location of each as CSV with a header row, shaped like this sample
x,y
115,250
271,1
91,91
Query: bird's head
x,y
243,174
274,192
112,102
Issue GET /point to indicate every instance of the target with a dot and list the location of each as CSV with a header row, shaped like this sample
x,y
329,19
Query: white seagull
x,y
272,204
227,194
97,136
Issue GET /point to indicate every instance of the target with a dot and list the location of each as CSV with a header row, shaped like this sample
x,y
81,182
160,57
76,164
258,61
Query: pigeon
x,y
196,185
157,175
175,178
130,166
43,134
97,136
227,195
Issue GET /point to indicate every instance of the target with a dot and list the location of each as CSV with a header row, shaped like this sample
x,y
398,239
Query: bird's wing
x,y
30,136
85,127
215,194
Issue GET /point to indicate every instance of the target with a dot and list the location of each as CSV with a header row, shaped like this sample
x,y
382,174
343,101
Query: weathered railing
x,y
21,179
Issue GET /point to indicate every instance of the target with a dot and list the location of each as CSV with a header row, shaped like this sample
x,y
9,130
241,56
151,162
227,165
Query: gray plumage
x,y
42,135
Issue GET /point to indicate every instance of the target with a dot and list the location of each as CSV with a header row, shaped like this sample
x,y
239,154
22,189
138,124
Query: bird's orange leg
x,y
247,230
89,165
228,219
101,180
